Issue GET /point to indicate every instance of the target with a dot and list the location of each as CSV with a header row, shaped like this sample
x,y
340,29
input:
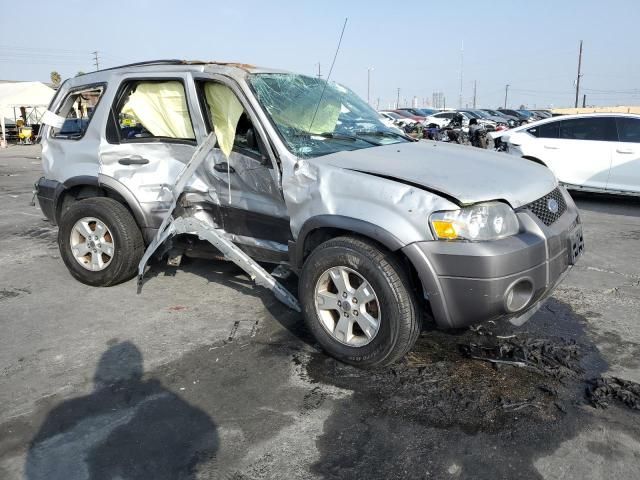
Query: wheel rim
x,y
347,306
92,244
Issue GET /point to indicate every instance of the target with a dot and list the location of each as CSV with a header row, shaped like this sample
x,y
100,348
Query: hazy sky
x,y
414,46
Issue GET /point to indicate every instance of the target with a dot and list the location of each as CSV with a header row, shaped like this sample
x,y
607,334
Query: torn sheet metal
x,y
205,231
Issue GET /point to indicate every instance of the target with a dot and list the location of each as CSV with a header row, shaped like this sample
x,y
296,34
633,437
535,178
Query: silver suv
x,y
279,168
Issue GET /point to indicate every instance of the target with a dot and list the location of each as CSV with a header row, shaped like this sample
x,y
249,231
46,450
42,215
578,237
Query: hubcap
x,y
92,244
347,306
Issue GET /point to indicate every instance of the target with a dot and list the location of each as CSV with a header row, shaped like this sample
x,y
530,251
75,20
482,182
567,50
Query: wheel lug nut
x,y
355,300
346,314
344,294
355,312
339,303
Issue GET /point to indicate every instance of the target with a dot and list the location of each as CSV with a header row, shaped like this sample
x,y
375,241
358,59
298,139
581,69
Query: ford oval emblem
x,y
552,205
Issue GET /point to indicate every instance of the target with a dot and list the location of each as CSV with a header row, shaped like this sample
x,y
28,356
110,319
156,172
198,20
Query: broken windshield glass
x,y
316,117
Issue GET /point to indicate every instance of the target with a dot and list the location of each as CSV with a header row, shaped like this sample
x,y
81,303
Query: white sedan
x,y
592,152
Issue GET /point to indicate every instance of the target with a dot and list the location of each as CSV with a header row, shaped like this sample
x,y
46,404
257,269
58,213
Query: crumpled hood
x,y
467,174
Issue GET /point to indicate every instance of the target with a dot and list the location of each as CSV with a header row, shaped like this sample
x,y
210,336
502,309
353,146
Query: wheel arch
x,y
81,187
321,228
535,159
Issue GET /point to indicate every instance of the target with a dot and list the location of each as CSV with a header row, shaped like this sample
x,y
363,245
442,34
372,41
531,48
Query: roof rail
x,y
173,61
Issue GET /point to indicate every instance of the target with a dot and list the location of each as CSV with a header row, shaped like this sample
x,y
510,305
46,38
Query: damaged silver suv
x,y
269,167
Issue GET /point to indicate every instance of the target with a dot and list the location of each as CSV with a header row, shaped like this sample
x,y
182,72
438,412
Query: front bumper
x,y
472,282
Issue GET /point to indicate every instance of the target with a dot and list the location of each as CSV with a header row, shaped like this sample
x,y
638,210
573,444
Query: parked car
x,y
542,113
511,120
594,152
469,114
497,119
522,119
380,229
419,112
407,114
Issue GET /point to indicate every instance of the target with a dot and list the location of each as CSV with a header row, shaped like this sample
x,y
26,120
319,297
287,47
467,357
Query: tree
x,y
55,79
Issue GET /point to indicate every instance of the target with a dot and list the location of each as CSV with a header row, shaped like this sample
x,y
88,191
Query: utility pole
x,y
95,60
584,100
474,93
506,95
398,101
369,84
319,74
461,69
579,74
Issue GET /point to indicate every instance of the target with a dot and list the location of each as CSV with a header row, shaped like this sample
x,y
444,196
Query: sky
x,y
417,47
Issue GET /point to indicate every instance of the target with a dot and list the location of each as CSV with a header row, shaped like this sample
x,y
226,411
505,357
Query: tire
x,y
398,313
122,231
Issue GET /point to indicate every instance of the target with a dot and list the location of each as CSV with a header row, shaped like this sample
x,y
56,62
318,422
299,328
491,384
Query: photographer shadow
x,y
127,428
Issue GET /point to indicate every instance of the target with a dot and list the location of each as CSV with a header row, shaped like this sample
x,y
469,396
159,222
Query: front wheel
x,y
358,302
100,242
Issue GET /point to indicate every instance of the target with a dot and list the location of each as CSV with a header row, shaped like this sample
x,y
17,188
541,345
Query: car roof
x,y
569,117
236,70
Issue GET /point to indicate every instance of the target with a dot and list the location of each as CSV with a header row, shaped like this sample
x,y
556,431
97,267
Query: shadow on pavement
x,y
127,428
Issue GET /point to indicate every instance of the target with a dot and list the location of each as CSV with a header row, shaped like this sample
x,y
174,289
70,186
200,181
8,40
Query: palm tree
x,y
55,79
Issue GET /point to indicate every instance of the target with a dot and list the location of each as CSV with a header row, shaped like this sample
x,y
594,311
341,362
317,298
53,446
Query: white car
x,y
592,152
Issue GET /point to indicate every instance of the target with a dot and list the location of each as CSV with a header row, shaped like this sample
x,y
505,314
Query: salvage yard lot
x,y
111,381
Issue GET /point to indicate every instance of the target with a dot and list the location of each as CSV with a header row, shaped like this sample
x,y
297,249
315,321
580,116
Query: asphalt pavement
x,y
205,375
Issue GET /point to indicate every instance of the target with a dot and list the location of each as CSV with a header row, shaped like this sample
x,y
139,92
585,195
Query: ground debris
x,y
602,390
553,357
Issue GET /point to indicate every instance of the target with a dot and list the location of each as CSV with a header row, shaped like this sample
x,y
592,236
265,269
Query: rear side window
x,y
151,111
77,109
597,128
628,129
546,130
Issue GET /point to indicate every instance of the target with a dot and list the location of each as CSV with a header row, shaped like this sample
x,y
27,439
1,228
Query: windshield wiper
x,y
337,136
383,133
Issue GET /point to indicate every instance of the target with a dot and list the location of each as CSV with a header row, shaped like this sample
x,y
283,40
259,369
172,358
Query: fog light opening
x,y
518,295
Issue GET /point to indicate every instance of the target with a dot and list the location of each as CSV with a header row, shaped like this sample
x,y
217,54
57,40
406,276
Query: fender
x,y
341,222
128,197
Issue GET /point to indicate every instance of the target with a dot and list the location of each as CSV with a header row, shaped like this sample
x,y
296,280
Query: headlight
x,y
484,221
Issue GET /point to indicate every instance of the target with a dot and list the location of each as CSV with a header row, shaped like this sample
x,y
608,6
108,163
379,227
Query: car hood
x,y
464,174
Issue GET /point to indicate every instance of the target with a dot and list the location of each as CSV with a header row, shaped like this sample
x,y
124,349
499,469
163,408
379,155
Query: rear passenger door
x,y
579,150
625,165
150,136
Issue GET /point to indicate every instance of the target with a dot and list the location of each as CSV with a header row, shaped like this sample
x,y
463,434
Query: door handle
x,y
624,150
549,147
133,161
223,166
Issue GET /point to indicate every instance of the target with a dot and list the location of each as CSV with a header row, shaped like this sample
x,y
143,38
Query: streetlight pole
x,y
369,85
506,94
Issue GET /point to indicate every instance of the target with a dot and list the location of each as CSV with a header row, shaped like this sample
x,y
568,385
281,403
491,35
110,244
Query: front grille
x,y
540,207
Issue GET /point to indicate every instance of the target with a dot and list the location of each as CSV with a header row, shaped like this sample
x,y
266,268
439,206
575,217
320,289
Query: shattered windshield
x,y
316,118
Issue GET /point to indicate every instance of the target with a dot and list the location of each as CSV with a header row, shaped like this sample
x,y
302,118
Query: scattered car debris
x,y
602,391
556,358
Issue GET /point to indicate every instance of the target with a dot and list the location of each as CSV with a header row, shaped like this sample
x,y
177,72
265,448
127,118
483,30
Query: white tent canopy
x,y
35,96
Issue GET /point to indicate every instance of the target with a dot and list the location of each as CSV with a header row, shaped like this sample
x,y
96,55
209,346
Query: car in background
x,y
515,113
542,113
597,152
497,119
397,119
469,114
407,114
419,112
531,116
511,120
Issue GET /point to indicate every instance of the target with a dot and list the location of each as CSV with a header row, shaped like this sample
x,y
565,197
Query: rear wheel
x,y
100,242
358,302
